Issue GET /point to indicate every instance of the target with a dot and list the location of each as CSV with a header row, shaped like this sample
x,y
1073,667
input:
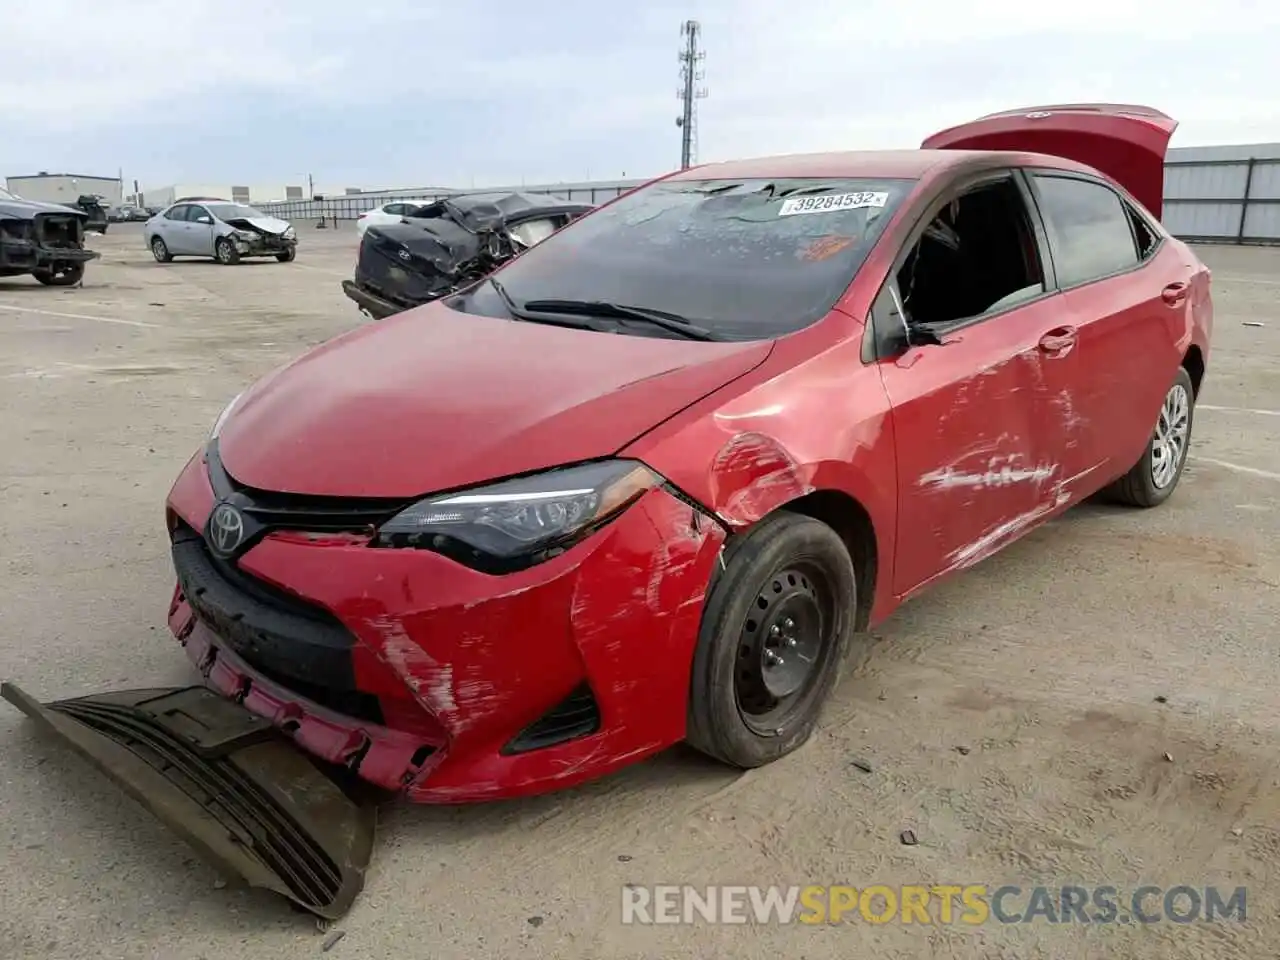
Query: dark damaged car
x,y
653,479
450,244
45,240
228,232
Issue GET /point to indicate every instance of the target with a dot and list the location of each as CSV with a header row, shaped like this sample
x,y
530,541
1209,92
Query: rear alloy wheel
x,y
225,252
160,251
774,635
1154,477
63,275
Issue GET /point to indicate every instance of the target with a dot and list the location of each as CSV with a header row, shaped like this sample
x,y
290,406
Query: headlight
x,y
222,417
248,236
289,233
519,522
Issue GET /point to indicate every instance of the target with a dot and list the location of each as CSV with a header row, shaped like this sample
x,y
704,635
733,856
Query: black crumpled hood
x,y
26,209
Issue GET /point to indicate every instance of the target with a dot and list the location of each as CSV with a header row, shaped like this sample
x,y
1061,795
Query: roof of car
x,y
886,164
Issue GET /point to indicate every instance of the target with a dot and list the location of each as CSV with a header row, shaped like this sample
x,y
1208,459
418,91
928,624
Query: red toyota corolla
x,y
648,482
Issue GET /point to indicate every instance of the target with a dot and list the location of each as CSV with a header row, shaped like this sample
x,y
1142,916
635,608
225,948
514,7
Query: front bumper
x,y
453,685
265,245
45,241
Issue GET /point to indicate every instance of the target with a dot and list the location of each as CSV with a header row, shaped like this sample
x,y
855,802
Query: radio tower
x,y
691,56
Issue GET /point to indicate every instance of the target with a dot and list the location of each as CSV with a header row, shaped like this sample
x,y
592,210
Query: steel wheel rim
x,y
784,647
1169,442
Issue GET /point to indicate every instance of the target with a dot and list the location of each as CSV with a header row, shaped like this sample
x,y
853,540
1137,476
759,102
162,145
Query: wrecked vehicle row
x,y
43,240
649,480
441,247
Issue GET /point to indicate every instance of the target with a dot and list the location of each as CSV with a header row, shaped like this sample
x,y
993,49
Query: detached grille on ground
x,y
243,796
222,790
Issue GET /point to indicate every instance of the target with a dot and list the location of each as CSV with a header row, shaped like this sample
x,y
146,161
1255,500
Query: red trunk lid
x,y
1126,142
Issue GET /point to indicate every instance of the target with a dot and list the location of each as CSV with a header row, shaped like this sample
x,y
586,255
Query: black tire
x,y
288,255
1150,482
160,250
787,563
68,275
225,252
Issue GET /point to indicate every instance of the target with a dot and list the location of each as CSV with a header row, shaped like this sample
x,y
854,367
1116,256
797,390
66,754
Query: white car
x,y
388,213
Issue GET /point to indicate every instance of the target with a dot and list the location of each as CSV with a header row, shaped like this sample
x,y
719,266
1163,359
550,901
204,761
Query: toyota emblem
x,y
226,529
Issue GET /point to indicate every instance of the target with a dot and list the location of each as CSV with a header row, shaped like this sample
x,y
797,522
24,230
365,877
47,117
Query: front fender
x,y
821,425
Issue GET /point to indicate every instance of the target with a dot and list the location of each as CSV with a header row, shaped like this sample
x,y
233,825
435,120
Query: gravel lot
x,y
1044,662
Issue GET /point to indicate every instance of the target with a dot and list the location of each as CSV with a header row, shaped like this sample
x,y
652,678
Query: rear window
x,y
1089,228
747,259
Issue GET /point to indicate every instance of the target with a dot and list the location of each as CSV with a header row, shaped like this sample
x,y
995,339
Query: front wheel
x,y
225,252
288,255
160,251
775,632
1154,477
66,275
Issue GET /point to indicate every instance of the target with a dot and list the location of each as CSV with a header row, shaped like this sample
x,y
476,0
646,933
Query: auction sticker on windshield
x,y
831,202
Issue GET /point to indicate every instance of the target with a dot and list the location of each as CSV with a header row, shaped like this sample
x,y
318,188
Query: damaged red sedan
x,y
646,482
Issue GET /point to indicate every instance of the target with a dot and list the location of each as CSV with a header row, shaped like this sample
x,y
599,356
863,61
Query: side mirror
x,y
204,219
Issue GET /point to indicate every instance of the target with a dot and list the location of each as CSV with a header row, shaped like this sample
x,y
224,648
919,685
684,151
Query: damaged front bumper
x,y
261,243
48,241
448,684
259,810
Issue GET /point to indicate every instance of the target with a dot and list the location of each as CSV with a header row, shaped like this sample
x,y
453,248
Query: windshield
x,y
234,211
745,259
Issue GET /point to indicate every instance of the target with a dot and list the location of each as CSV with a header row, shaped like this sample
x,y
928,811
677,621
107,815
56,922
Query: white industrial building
x,y
261,193
65,187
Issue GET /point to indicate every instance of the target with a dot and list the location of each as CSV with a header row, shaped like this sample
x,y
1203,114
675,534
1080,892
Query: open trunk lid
x,y
248,800
1128,143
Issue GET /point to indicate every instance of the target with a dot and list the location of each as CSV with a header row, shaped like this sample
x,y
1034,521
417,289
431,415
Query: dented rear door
x,y
1126,142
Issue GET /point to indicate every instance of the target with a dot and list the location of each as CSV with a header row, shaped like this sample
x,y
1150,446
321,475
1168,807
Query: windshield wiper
x,y
519,313
603,308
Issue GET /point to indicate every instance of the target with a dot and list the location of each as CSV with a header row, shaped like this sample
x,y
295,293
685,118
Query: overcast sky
x,y
374,93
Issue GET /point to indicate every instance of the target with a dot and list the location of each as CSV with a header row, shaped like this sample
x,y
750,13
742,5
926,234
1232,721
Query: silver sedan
x,y
225,231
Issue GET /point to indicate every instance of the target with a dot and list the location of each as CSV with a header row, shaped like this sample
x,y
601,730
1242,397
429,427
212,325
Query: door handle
x,y
1174,293
1058,341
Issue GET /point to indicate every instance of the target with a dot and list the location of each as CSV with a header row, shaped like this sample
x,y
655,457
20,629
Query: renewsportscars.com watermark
x,y
971,904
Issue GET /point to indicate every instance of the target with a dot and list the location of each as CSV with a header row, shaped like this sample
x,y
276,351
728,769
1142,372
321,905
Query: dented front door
x,y
976,466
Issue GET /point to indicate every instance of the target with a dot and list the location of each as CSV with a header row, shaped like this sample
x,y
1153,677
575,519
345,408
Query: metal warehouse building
x,y
65,187
255,194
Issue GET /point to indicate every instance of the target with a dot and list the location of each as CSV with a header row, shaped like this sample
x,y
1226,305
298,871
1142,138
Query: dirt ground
x,y
1043,663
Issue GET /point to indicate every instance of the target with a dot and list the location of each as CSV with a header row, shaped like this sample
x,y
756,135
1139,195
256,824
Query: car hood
x,y
1126,142
25,209
265,224
433,399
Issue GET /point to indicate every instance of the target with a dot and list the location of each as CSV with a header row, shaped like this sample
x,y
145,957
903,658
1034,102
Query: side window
x,y
977,256
1148,238
198,212
395,209
1090,229
177,213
